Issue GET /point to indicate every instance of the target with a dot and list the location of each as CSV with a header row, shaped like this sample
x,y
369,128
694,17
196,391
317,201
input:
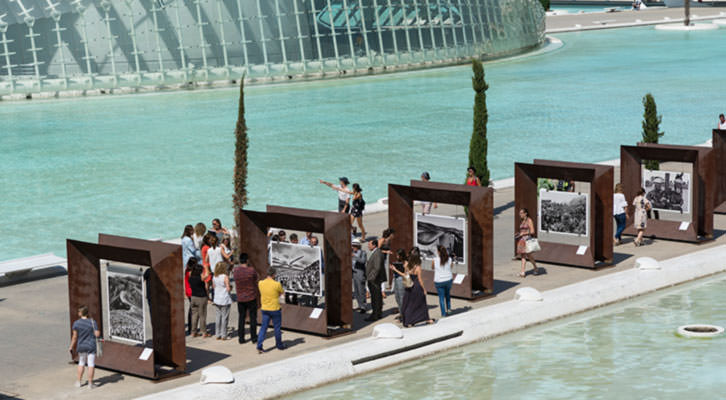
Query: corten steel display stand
x,y
335,227
719,154
166,298
599,251
479,279
702,188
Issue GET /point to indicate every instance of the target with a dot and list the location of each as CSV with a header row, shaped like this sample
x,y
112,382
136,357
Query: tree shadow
x,y
504,207
199,358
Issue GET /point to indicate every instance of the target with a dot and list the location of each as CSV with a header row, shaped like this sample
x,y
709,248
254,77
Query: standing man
x,y
343,193
375,276
245,284
359,276
270,292
721,122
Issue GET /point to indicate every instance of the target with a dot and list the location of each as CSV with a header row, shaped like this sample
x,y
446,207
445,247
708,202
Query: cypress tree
x,y
478,143
240,160
651,126
545,4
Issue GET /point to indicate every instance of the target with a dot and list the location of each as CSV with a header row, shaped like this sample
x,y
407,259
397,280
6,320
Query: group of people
x,y
369,280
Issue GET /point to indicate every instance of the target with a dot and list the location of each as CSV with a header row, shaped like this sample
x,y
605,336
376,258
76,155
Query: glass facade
x,y
57,45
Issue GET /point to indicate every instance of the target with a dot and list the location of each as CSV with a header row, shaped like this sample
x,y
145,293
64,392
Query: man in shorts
x,y
85,332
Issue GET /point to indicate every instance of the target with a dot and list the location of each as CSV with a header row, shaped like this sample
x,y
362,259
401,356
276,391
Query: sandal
x,y
522,275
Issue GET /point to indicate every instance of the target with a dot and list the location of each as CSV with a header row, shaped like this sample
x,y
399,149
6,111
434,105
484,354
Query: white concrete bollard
x,y
387,330
647,263
528,294
218,374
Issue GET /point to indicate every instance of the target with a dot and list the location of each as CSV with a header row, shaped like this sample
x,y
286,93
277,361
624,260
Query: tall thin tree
x,y
651,126
478,143
240,160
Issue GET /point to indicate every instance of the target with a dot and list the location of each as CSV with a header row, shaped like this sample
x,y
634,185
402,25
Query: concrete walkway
x,y
622,19
35,319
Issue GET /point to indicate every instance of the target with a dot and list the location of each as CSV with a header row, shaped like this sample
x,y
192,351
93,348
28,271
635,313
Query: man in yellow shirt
x,y
270,292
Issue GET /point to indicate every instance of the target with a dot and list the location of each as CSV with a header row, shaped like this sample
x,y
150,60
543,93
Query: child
x,y
85,332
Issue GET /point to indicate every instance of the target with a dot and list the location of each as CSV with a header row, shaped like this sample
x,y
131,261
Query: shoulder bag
x,y
407,281
532,245
99,340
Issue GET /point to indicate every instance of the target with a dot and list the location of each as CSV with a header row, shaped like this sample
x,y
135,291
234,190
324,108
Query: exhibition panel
x,y
719,150
681,192
467,238
142,288
309,272
573,217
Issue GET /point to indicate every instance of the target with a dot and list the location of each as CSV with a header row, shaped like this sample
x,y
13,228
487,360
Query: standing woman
x,y
222,299
414,308
356,213
189,250
218,229
640,218
214,253
199,231
199,300
471,178
619,204
443,279
526,232
426,205
343,193
226,249
188,290
398,272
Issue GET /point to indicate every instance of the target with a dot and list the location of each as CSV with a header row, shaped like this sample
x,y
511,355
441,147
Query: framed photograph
x,y
431,231
126,306
668,191
299,268
566,213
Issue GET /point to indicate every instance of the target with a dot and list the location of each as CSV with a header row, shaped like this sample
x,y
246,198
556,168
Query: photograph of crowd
x,y
563,212
432,231
667,190
126,305
299,268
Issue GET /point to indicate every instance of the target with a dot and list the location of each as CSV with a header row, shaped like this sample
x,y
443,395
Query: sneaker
x,y
91,385
77,384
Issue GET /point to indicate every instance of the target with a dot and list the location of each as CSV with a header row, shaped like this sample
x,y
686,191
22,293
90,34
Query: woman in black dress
x,y
414,307
356,213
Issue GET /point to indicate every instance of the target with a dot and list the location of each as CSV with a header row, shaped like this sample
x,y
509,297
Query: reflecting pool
x,y
627,351
145,165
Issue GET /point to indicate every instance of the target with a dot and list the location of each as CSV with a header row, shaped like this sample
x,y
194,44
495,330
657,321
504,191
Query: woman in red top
x,y
188,290
471,178
205,261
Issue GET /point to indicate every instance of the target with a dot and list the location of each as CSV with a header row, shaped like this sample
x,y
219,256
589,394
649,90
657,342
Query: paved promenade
x,y
621,19
35,319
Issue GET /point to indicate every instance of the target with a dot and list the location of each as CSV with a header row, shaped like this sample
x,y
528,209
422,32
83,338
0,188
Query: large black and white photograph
x,y
126,304
667,190
432,231
299,268
563,212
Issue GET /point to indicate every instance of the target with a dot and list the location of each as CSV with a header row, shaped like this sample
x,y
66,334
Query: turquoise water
x,y
145,165
627,351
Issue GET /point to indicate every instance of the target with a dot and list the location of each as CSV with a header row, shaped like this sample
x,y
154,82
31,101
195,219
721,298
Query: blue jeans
x,y
276,317
444,291
620,225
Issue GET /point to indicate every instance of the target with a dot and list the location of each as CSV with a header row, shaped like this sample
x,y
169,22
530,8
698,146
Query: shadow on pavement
x,y
504,207
113,378
199,358
501,286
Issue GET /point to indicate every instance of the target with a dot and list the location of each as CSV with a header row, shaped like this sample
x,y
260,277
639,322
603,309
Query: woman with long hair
x,y
199,231
226,249
222,299
188,290
640,217
218,229
189,250
414,308
214,253
356,212
198,300
398,272
443,278
526,232
619,204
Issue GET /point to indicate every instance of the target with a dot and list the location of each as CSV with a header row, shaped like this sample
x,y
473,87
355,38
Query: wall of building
x,y
48,45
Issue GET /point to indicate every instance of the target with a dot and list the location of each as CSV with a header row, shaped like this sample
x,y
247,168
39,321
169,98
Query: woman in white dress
x,y
222,299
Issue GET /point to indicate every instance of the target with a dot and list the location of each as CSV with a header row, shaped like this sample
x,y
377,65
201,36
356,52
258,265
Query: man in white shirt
x,y
721,122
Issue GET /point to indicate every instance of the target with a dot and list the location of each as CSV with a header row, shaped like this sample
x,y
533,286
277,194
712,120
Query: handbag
x,y
99,341
407,281
532,245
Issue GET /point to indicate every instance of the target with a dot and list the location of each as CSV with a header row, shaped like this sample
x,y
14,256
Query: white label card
x,y
459,279
316,313
581,250
146,354
684,225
